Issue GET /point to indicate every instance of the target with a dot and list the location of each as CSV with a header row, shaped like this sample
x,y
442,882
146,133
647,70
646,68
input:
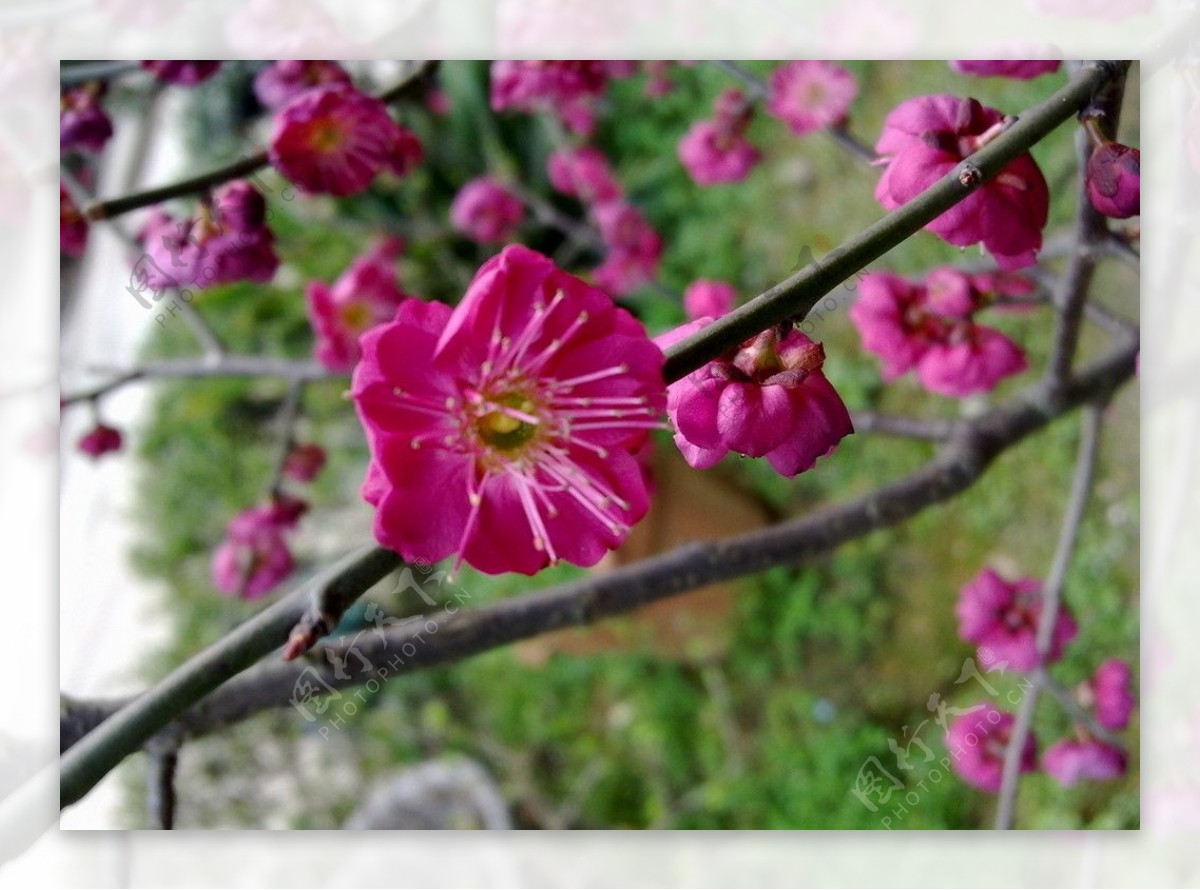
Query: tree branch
x,y
794,297
933,429
245,166
1052,590
958,465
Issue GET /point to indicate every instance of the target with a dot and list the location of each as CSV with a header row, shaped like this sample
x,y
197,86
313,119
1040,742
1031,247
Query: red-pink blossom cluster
x,y
568,89
100,440
281,82
227,240
83,123
1003,619
930,327
925,139
181,73
304,461
334,139
716,150
365,295
505,430
485,211
254,557
1017,69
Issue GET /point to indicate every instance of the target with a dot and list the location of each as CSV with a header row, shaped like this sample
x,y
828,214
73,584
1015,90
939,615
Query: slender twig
x,y
932,429
107,745
794,297
1052,590
244,166
288,416
760,91
958,465
1071,705
227,366
160,792
70,75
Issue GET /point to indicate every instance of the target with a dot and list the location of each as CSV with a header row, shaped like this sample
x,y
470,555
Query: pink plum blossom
x,y
977,741
505,430
1017,69
567,88
304,462
811,95
282,81
769,399
485,211
1069,760
976,363
179,72
925,139
1114,181
713,154
83,122
335,139
708,298
583,173
254,557
100,440
365,295
72,225
1109,692
634,248
1003,616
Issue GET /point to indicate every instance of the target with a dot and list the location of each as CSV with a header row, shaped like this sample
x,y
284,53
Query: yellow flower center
x,y
504,430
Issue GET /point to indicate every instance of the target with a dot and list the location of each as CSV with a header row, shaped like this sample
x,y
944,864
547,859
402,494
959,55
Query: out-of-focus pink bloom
x,y
365,295
1018,69
708,298
1114,180
505,430
925,138
254,557
769,399
100,440
1098,10
437,101
304,462
1067,761
83,122
1110,692
226,242
977,742
335,139
931,328
566,88
712,154
484,210
282,81
1003,617
181,73
72,226
811,95
658,78
634,248
583,173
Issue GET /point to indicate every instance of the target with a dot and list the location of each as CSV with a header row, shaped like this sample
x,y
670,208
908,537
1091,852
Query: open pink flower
x,y
335,139
583,173
712,154
1114,180
484,210
634,248
505,430
1017,69
1110,692
925,138
811,95
282,81
365,295
254,557
708,298
1069,760
179,72
83,122
567,88
1003,617
975,363
72,225
304,462
769,399
977,742
100,440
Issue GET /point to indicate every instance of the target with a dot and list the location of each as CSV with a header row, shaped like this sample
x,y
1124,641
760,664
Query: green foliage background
x,y
827,662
